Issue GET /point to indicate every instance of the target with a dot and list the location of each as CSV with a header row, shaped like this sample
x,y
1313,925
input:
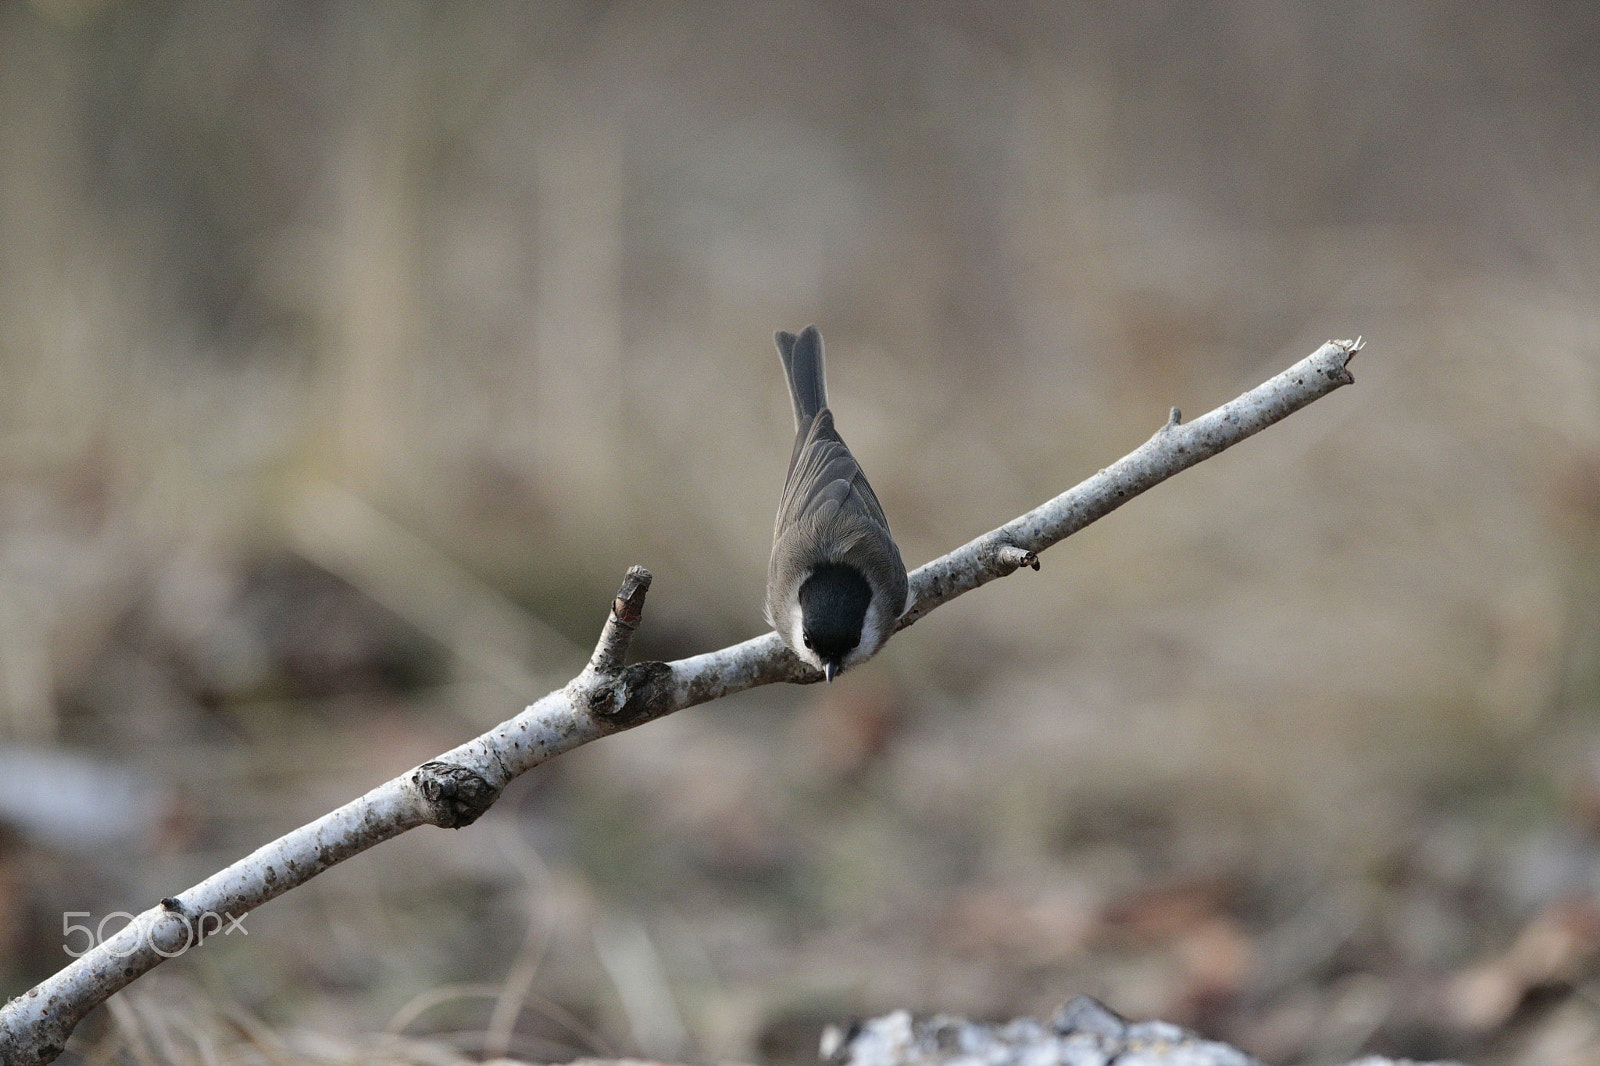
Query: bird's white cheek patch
x,y
874,632
797,636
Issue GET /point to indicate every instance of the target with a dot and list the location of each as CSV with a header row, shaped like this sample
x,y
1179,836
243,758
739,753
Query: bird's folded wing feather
x,y
823,471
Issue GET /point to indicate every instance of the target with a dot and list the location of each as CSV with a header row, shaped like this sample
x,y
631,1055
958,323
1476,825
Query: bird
x,y
835,583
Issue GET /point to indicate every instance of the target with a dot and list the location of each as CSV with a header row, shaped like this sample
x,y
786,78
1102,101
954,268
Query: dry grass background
x,y
350,353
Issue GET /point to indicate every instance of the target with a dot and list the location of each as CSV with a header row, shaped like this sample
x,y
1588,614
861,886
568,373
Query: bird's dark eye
x,y
807,639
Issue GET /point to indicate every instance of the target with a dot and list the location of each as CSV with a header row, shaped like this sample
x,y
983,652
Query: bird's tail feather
x,y
802,362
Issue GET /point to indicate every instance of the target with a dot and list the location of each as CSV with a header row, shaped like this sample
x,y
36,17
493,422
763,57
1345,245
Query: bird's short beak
x,y
830,669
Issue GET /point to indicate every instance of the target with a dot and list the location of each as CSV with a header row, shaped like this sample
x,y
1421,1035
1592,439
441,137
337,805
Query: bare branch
x,y
626,610
456,788
1176,446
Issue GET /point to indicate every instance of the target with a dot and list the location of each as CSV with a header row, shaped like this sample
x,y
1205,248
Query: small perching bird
x,y
835,583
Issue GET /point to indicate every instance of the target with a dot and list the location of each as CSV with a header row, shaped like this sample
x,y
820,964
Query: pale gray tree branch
x,y
607,696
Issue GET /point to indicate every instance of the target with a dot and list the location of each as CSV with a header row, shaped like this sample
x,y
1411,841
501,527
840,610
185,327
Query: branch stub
x,y
453,795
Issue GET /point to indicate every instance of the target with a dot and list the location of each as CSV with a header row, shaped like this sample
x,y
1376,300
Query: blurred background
x,y
350,354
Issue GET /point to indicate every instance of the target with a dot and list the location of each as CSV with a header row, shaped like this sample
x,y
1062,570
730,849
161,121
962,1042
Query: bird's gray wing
x,y
829,512
822,472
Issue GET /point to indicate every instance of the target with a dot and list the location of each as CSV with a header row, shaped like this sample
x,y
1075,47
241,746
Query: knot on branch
x,y
639,693
193,931
1006,558
455,796
180,927
1012,558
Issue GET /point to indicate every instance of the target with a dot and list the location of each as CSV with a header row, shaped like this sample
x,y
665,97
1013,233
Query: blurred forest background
x,y
349,354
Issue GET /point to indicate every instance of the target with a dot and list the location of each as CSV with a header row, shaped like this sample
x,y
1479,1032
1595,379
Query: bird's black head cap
x,y
833,606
